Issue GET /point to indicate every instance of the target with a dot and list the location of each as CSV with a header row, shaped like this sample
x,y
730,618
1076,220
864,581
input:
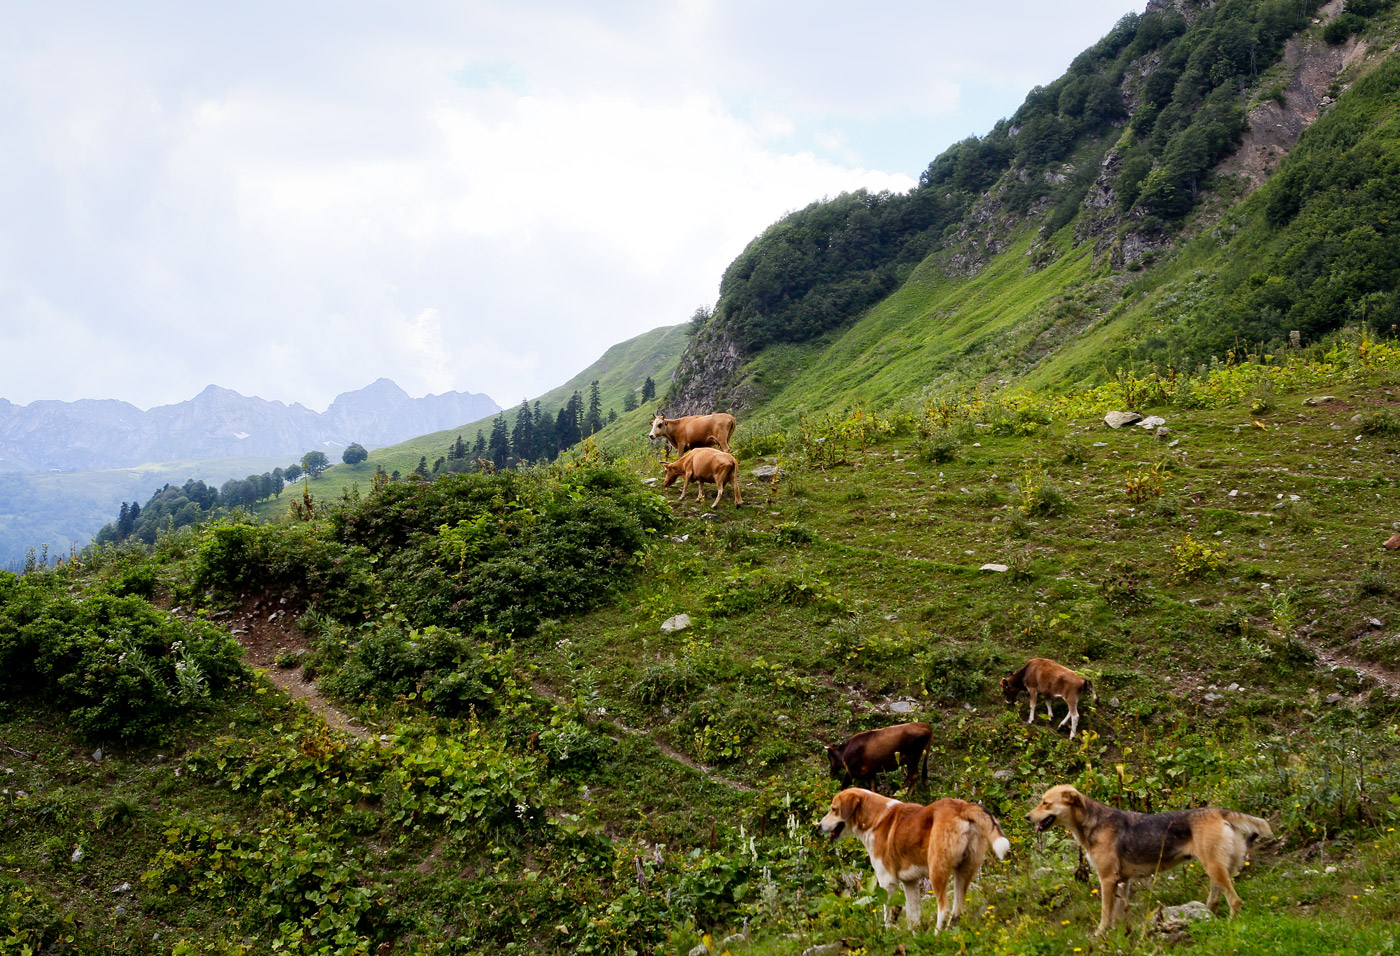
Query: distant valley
x,y
66,467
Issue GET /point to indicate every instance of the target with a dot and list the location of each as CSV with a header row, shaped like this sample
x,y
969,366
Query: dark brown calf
x,y
1044,676
874,752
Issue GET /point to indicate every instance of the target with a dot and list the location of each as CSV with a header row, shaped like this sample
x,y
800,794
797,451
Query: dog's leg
x,y
1108,894
1220,882
938,887
913,900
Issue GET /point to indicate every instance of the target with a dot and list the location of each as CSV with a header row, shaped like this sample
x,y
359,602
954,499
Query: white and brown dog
x,y
907,842
1123,845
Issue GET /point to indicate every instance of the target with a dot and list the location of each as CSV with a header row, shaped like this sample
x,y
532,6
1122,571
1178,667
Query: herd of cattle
x,y
949,838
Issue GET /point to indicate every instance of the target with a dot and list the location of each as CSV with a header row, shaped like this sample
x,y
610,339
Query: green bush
x,y
122,668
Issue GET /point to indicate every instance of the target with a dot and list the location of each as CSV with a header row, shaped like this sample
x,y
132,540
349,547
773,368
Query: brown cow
x,y
873,752
705,465
1044,676
694,431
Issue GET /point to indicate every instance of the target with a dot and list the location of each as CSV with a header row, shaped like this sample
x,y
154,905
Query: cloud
x,y
294,201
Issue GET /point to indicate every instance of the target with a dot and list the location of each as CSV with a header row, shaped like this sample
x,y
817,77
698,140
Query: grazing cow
x,y
705,465
1043,676
873,752
694,431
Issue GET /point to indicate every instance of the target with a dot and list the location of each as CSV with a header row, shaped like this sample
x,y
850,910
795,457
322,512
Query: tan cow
x,y
702,466
694,431
1044,676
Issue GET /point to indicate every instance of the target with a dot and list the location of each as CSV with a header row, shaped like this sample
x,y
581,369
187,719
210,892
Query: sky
x,y
292,200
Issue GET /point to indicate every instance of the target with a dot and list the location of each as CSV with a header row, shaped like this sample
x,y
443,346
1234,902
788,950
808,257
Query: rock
x,y
1374,621
700,950
710,516
1329,870
1171,921
119,911
823,949
124,888
1162,433
766,472
1392,542
1115,703
77,854
650,481
1211,698
1234,493
1174,442
731,939
677,623
1333,699
680,538
902,706
891,617
1100,444
1320,399
999,568
1151,421
97,755
1233,687
1004,775
1119,419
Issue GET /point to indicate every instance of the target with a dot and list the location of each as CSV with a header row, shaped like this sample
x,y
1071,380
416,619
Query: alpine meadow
x,y
1117,385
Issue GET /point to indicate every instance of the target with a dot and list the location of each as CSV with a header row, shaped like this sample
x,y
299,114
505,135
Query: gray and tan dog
x,y
907,842
1123,845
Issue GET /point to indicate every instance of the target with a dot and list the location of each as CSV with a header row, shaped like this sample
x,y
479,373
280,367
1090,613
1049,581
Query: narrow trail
x,y
266,630
1330,659
666,750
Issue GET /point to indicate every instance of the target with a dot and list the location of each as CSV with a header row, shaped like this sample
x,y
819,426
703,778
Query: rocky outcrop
x,y
709,377
218,423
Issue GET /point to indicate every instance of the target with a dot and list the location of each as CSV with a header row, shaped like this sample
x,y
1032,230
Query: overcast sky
x,y
293,199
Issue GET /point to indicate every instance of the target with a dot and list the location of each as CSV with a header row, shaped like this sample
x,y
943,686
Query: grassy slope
x,y
621,369
851,585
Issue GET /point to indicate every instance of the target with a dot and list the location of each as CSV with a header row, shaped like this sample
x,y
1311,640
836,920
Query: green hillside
x,y
621,369
460,715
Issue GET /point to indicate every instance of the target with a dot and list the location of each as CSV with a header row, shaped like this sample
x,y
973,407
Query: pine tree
x,y
479,446
593,421
522,437
612,415
648,390
545,444
458,451
422,468
570,422
498,445
629,401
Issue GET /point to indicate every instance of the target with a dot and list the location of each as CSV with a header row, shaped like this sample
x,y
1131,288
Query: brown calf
x,y
702,466
694,431
1043,676
873,752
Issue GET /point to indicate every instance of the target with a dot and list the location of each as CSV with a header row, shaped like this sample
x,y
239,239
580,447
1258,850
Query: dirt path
x,y
1330,659
666,750
266,630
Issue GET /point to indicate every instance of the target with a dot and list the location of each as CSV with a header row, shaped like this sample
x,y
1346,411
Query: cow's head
x,y
658,426
838,766
1008,690
673,471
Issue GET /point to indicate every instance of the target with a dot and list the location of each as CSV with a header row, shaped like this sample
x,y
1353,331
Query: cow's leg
x,y
1034,696
719,492
685,485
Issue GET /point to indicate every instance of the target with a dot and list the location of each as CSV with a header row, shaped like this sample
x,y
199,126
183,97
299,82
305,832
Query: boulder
x,y
1119,419
999,568
1319,400
1171,922
677,623
1152,421
1393,542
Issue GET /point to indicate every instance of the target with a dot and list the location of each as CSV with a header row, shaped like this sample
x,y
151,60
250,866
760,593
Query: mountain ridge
x,y
105,434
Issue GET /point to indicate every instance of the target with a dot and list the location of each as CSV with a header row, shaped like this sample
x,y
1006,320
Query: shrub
x,y
1382,423
939,447
1194,560
122,668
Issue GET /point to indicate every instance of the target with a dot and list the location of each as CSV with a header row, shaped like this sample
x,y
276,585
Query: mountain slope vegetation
x,y
535,754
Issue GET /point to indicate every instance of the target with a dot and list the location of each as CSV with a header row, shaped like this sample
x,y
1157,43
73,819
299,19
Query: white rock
x,y
1119,419
1151,421
999,568
677,623
77,854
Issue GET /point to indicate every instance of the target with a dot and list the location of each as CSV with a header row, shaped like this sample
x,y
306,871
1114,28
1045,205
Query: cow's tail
x,y
1089,689
991,833
923,769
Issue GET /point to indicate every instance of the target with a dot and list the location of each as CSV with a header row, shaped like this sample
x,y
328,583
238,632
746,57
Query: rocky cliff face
x,y
218,423
708,378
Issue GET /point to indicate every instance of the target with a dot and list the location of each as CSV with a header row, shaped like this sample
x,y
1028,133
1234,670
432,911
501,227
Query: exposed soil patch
x,y
266,627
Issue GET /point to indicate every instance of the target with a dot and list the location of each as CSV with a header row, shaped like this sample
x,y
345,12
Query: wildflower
x,y
1064,922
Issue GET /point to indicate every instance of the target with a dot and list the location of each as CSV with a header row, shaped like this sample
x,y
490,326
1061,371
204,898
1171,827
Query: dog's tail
x,y
1251,828
991,832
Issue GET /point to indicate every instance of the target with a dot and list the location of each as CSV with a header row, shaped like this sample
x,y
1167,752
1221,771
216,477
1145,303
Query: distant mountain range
x,y
91,435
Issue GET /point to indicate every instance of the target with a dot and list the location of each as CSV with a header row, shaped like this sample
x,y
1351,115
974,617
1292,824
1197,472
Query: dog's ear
x,y
1074,798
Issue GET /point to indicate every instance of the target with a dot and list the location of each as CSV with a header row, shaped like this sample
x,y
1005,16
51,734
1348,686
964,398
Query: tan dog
x,y
908,842
1124,845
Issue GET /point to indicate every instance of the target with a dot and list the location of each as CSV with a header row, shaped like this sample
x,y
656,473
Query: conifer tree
x,y
422,468
629,401
498,445
479,446
522,437
545,445
593,420
648,390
